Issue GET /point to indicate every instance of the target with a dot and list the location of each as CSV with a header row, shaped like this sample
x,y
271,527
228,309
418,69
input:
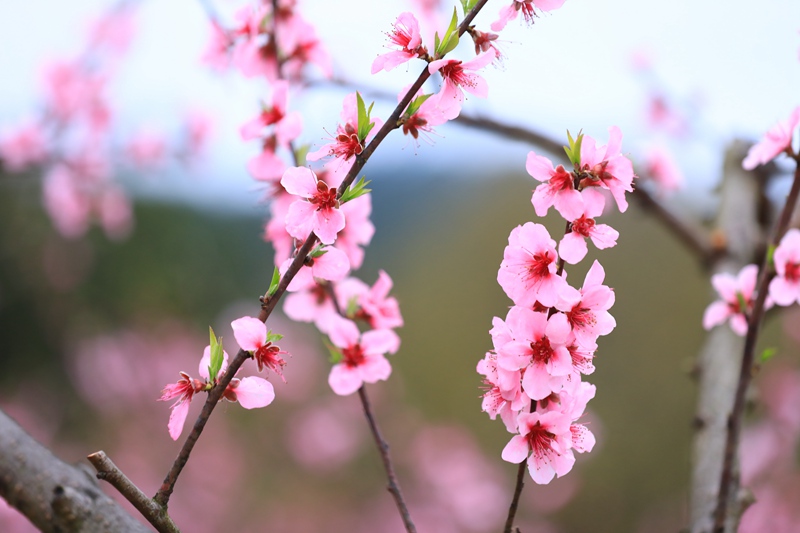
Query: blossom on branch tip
x,y
527,8
778,139
253,337
406,38
460,76
287,125
346,144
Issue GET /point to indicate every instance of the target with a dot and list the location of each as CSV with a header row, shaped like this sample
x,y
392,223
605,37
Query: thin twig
x,y
745,373
152,511
512,510
163,495
383,449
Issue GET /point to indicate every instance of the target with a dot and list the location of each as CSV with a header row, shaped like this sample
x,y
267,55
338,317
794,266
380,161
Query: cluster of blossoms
x,y
548,339
251,392
71,139
738,293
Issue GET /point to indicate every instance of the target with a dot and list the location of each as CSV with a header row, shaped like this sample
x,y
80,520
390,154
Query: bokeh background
x,y
93,327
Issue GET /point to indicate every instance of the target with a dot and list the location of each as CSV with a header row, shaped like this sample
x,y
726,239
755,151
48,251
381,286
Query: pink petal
x,y
333,265
300,181
254,392
344,333
715,314
344,380
250,333
516,450
380,341
328,222
572,248
539,167
375,368
177,418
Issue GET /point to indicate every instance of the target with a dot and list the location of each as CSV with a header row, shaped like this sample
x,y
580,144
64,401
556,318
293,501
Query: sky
x,y
732,67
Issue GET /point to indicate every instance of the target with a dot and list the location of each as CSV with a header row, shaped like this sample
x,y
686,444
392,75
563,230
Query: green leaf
x,y
352,306
464,6
415,104
353,191
217,356
771,255
574,149
318,251
768,353
364,124
468,5
336,355
450,39
276,279
273,337
300,154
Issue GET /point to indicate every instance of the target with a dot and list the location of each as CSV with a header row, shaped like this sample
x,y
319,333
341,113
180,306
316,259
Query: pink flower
x,y
662,168
406,38
287,125
587,309
363,358
737,299
253,337
538,349
606,167
23,147
784,289
777,140
547,438
147,149
528,271
250,392
509,13
67,204
457,76
331,265
572,247
346,143
379,309
318,213
503,394
557,188
219,45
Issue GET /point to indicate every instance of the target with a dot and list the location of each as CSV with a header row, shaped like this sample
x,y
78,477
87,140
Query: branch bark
x,y
720,359
55,496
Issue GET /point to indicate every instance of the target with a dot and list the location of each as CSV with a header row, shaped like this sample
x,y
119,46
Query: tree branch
x,y
55,496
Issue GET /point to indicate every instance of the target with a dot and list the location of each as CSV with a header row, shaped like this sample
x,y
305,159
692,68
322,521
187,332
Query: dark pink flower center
x,y
271,116
353,356
542,351
581,317
539,267
413,125
269,356
540,441
456,73
583,226
347,142
325,198
527,10
561,180
792,272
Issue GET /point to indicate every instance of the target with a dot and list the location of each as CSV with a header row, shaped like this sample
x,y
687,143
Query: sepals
x,y
450,40
217,357
365,125
273,285
353,191
318,251
415,104
574,149
336,355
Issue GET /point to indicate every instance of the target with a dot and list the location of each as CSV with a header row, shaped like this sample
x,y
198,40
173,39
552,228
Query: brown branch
x,y
154,513
721,517
163,495
383,449
53,495
512,510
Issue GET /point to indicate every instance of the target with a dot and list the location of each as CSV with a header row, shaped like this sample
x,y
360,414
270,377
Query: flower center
x,y
353,356
542,351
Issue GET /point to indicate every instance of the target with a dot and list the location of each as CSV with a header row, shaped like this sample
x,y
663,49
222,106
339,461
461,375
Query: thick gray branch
x,y
55,496
720,358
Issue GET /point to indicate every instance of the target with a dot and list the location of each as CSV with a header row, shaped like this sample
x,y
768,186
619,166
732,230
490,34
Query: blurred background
x,y
94,325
